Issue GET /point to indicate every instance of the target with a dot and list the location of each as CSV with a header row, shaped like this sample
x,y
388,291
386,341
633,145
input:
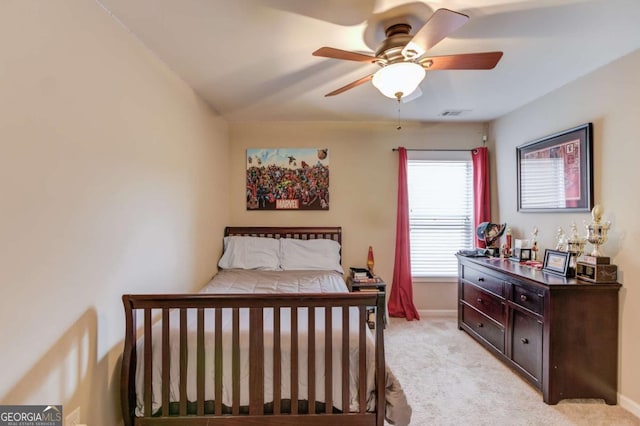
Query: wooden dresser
x,y
560,334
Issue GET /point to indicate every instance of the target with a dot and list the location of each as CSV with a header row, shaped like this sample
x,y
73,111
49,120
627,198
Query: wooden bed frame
x,y
259,412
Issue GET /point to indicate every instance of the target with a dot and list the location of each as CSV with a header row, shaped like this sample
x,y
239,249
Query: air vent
x,y
454,112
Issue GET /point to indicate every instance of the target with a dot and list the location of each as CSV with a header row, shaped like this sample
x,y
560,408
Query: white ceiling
x,y
251,59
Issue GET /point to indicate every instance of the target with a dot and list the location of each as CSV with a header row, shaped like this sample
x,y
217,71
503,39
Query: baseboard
x,y
629,405
438,312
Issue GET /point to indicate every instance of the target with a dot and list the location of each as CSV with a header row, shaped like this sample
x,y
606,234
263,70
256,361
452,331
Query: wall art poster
x,y
288,179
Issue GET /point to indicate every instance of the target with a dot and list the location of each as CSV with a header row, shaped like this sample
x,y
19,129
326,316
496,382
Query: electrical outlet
x,y
73,418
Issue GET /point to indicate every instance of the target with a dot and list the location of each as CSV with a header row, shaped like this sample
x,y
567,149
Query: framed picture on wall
x,y
287,179
555,172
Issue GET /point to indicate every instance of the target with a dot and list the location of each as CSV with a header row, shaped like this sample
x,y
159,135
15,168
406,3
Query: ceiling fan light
x,y
398,80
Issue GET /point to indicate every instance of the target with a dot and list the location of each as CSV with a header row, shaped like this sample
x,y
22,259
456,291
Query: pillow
x,y
310,254
250,253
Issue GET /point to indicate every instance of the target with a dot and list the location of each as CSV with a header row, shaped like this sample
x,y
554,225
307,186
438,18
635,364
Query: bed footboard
x,y
156,322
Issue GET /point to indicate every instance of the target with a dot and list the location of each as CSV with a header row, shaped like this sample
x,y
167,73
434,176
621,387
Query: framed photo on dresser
x,y
556,262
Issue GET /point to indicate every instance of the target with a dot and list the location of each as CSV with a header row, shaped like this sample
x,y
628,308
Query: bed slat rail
x,y
148,366
218,363
256,362
235,362
200,363
148,306
303,233
277,363
311,361
294,361
183,362
165,361
345,358
362,362
328,356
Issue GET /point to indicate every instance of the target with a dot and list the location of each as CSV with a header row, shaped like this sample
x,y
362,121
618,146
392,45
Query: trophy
x,y
595,267
575,247
597,231
561,239
534,243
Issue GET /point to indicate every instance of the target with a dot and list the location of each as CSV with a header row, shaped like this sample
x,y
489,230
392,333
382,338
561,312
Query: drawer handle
x,y
481,279
480,325
523,297
524,340
479,300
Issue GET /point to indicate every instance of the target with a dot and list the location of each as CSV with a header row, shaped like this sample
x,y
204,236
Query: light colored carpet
x,y
449,379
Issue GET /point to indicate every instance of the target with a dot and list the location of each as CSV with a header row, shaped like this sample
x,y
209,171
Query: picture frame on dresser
x,y
556,262
554,173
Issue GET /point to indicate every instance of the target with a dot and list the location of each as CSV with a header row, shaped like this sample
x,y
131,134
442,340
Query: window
x,y
440,186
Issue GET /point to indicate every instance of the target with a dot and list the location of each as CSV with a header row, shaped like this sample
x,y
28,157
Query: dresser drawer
x,y
482,279
484,327
526,346
487,303
528,297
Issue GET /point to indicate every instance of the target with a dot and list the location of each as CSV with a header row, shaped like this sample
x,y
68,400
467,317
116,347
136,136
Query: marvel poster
x,y
287,179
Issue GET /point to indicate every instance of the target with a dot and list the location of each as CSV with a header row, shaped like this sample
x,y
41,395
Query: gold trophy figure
x,y
534,243
561,239
575,246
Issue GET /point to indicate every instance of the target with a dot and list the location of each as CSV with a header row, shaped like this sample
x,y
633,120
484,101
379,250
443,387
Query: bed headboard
x,y
297,232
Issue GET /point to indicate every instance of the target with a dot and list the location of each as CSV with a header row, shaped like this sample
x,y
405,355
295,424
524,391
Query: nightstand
x,y
378,286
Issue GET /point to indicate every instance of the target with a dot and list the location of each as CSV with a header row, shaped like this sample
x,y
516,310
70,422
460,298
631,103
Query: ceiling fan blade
x,y
330,52
350,85
466,61
442,23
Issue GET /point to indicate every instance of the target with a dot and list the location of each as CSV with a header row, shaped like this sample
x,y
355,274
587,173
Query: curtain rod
x,y
426,149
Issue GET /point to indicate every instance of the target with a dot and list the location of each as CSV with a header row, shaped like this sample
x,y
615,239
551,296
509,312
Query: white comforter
x,y
251,281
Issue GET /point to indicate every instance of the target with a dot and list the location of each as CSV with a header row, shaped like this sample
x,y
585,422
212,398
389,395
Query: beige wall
x,y
610,98
363,184
113,179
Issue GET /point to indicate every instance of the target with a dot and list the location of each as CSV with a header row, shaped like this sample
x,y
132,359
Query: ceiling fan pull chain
x,y
398,127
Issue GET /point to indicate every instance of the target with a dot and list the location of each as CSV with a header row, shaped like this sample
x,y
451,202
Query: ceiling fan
x,y
402,59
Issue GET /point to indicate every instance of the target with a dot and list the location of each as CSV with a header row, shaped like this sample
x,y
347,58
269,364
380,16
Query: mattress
x,y
256,281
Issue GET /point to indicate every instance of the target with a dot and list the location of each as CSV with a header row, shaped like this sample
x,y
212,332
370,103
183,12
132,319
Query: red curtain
x,y
401,296
481,189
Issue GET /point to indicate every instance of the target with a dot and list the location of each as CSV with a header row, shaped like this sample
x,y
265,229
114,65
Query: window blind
x,y
440,215
543,183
